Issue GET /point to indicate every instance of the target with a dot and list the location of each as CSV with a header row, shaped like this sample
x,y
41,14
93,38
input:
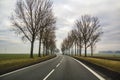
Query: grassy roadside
x,y
109,64
9,62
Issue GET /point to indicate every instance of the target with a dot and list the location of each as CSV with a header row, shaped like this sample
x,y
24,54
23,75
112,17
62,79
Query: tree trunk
x,y
48,51
46,48
75,49
51,52
91,50
43,50
72,51
80,51
68,51
80,48
31,50
39,52
85,50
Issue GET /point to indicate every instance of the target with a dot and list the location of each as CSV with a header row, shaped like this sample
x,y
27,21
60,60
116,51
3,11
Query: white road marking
x,y
61,60
57,64
19,70
96,74
53,70
49,74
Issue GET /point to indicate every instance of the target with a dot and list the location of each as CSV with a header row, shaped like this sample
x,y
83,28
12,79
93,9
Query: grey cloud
x,y
107,11
67,11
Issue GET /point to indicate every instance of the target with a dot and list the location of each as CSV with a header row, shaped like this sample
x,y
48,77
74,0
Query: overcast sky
x,y
66,12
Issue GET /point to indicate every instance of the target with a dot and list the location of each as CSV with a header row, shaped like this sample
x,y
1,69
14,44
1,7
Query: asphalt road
x,y
59,68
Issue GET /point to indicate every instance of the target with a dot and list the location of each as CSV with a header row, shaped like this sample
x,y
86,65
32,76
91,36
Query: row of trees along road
x,y
86,33
34,20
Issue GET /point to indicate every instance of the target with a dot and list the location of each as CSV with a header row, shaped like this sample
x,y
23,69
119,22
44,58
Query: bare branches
x,y
87,26
31,17
87,32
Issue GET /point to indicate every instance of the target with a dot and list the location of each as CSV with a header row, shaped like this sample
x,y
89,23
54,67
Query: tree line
x,y
86,33
34,20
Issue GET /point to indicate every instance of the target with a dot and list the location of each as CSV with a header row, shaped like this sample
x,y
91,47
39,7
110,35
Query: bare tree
x,y
94,39
48,20
65,46
72,40
74,34
86,34
87,25
48,36
51,41
79,40
27,19
68,43
52,46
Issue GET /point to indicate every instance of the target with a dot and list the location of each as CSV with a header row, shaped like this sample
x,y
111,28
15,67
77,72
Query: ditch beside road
x,y
14,64
108,68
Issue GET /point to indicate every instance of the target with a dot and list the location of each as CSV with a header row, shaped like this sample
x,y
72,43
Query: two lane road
x,y
59,68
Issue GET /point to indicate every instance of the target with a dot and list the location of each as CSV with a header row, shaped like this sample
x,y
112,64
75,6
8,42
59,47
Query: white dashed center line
x,y
49,74
53,69
57,64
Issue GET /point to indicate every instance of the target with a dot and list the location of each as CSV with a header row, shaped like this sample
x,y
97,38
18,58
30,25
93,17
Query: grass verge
x,y
11,62
108,64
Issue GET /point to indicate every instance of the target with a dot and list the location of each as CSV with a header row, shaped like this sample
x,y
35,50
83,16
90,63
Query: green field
x,y
115,55
14,56
12,61
108,55
109,64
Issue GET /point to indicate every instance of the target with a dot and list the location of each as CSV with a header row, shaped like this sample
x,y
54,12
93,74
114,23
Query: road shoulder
x,y
108,74
13,68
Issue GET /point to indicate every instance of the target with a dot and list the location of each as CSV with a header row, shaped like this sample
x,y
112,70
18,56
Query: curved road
x,y
59,68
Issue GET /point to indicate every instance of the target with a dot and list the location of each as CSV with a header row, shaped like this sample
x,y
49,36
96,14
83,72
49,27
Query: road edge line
x,y
93,72
20,69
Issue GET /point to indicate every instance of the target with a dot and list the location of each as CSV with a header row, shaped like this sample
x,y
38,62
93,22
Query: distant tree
x,y
75,37
79,40
94,39
48,38
68,43
65,46
52,46
71,39
48,21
